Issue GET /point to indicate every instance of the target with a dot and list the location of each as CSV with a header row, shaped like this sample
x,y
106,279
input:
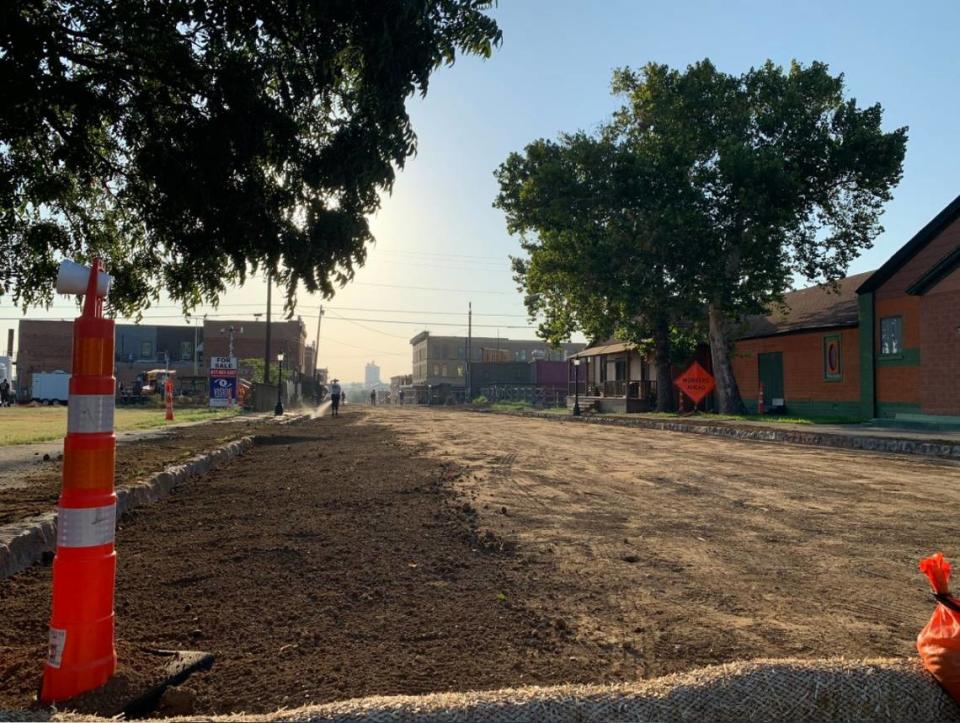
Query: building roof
x,y
610,346
816,307
910,249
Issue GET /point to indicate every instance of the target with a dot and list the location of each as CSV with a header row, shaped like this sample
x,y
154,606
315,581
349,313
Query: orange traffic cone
x,y
168,396
81,654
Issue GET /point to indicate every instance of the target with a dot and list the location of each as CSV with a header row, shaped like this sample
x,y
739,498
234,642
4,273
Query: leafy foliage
x,y
192,142
706,190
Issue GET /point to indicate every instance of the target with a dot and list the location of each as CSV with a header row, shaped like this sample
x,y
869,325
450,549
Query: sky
x,y
440,243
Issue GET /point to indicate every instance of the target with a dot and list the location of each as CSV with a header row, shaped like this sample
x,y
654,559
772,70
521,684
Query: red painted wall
x,y
803,368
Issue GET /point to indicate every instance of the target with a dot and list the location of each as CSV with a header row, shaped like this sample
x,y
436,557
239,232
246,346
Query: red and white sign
x,y
696,382
223,380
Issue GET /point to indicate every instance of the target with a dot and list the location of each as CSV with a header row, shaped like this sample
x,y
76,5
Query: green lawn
x,y
22,425
526,407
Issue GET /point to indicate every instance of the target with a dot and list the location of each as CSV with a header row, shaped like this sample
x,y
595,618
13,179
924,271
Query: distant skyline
x,y
441,244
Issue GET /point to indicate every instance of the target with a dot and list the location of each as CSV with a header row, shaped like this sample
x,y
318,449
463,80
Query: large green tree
x,y
191,142
789,177
596,220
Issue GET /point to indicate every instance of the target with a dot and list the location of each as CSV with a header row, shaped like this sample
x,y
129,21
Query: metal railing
x,y
622,388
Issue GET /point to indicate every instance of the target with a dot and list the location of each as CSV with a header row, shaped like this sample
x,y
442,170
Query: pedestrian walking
x,y
335,394
400,395
373,397
5,393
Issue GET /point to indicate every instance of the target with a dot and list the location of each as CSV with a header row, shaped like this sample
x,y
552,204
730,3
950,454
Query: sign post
x,y
223,380
696,382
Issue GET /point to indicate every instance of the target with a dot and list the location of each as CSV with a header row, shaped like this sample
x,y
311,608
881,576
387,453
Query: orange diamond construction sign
x,y
696,382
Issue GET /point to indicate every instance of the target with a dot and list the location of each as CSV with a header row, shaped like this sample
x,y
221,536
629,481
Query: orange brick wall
x,y
899,384
803,378
940,342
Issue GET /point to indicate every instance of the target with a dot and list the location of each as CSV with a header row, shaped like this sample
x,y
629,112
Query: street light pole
x,y
278,410
576,388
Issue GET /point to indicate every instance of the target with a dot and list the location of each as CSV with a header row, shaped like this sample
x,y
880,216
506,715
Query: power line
x,y
368,328
430,288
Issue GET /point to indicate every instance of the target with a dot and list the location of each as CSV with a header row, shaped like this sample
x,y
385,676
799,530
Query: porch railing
x,y
623,388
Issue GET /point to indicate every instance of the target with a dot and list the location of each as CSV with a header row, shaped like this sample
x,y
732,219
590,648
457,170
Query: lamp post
x,y
278,410
576,388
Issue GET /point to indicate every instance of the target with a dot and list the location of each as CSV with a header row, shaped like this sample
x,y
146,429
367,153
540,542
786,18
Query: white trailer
x,y
50,387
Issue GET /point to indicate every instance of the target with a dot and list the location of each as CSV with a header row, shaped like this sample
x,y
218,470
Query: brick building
x,y
806,354
886,346
47,345
442,359
287,336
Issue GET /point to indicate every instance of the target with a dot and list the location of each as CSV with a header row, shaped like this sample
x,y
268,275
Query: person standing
x,y
5,393
373,397
335,393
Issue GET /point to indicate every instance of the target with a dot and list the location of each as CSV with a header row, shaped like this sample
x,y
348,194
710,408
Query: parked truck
x,y
50,387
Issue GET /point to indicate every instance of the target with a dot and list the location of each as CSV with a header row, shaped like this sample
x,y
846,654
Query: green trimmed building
x,y
882,345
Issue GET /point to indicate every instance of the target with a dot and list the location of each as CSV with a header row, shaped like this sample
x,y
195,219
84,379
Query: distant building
x,y
46,345
442,359
249,341
371,375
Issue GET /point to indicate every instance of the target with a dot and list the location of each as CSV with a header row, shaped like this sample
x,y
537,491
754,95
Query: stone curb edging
x,y
24,542
894,445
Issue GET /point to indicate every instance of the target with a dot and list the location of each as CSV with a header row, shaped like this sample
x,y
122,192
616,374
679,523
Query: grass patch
x,y
526,407
23,425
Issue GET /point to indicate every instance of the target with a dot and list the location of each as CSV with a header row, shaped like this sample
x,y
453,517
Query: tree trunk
x,y
728,393
661,355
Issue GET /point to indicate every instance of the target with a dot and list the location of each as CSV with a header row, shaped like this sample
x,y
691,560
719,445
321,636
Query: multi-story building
x,y
46,345
249,341
442,359
371,375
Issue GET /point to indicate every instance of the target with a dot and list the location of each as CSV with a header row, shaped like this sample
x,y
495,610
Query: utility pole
x,y
316,348
266,351
469,355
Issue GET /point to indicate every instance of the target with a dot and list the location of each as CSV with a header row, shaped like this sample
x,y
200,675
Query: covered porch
x,y
613,377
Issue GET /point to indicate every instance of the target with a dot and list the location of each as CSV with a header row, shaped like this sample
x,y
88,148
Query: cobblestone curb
x,y
893,445
25,542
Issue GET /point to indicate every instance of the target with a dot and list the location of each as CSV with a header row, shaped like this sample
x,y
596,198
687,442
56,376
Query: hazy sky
x,y
440,242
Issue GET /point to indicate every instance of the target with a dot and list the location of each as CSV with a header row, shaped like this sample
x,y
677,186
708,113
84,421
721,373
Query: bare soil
x,y
135,460
682,551
418,550
331,561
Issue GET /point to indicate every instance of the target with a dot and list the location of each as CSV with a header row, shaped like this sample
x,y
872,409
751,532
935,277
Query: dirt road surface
x,y
681,550
415,550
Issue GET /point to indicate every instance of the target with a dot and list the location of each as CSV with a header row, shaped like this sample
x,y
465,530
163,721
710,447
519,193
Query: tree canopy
x,y
790,177
747,180
190,142
594,215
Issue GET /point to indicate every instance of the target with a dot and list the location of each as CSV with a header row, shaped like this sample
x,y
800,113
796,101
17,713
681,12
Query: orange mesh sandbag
x,y
939,642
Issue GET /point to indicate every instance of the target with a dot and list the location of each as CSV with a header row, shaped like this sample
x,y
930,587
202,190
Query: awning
x,y
616,347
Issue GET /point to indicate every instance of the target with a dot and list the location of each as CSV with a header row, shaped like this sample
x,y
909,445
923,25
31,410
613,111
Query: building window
x,y
459,370
186,351
443,370
832,358
891,336
146,350
436,370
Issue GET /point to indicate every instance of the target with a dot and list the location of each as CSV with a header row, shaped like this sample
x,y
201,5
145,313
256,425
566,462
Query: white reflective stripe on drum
x,y
87,413
86,526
